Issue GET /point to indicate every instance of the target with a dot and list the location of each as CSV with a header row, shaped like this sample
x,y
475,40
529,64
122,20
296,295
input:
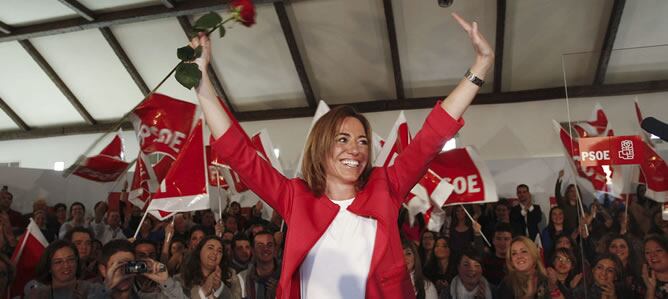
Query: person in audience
x,y
607,278
642,210
526,216
207,221
624,248
556,227
336,170
77,218
60,213
7,273
176,255
424,289
242,253
426,246
145,287
181,224
7,238
494,263
196,235
58,273
565,272
568,203
205,274
526,276
149,230
411,231
655,268
82,239
500,213
117,257
99,210
659,226
112,230
40,219
16,219
261,278
461,231
439,270
231,224
469,282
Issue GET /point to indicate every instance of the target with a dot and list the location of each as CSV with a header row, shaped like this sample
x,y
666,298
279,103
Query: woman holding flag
x,y
343,240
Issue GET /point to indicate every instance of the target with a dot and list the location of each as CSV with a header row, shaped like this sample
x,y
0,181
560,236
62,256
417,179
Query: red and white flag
x,y
592,178
319,112
31,247
653,169
185,185
107,166
214,165
265,148
162,124
396,142
467,174
144,182
596,125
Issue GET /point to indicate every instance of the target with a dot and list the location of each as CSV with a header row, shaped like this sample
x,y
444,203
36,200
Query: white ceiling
x,y
344,45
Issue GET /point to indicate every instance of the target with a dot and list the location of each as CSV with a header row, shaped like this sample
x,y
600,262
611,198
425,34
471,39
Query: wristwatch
x,y
473,78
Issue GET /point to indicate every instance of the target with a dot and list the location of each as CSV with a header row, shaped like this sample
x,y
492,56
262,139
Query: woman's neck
x,y
662,276
206,272
443,263
340,192
469,286
562,276
558,227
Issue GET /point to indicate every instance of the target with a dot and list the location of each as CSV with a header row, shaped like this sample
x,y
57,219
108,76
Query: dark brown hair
x,y
319,147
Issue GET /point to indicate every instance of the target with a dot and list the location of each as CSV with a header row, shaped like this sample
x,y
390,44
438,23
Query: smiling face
x,y
211,255
263,248
195,237
469,270
620,248
557,216
562,263
656,257
409,258
441,249
63,266
604,272
521,258
428,240
349,154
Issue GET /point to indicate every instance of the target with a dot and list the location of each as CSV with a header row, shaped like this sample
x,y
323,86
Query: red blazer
x,y
308,216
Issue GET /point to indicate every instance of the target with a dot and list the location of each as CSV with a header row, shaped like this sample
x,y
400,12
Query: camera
x,y
445,3
136,267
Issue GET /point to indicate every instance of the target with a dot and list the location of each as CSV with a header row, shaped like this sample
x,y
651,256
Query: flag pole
x,y
140,224
481,233
220,195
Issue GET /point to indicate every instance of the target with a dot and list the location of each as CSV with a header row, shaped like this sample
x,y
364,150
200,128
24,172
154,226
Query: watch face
x,y
445,3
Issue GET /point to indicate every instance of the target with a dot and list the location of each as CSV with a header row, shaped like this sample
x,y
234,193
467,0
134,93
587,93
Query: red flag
x,y
185,186
107,166
596,125
319,112
593,177
397,141
162,124
31,246
468,174
655,174
144,182
214,169
265,148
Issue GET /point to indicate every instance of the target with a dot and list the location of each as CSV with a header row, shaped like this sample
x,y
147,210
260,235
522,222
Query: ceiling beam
x,y
394,49
609,41
127,16
6,29
46,67
80,9
168,3
294,52
498,44
125,60
553,93
15,117
213,76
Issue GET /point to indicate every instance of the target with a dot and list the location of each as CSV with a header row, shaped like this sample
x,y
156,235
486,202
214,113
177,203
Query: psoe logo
x,y
626,151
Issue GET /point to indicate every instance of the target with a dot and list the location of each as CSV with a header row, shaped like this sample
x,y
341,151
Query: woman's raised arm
x,y
462,96
216,117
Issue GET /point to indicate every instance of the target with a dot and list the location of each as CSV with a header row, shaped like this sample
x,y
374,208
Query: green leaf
x,y
188,74
221,31
185,53
207,21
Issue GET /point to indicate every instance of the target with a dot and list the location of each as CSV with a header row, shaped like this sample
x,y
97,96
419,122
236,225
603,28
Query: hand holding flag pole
x,y
476,225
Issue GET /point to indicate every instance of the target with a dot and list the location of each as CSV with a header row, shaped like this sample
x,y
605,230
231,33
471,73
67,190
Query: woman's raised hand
x,y
484,52
202,40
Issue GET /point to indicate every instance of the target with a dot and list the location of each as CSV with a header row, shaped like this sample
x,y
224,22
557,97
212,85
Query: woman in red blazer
x,y
343,240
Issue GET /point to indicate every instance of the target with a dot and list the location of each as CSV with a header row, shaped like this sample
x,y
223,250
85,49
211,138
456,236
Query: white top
x,y
338,264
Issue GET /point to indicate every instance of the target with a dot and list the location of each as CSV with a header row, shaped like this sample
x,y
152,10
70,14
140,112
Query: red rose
x,y
246,12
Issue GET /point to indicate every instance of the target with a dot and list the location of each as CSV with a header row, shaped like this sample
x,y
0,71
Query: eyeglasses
x,y
564,260
61,262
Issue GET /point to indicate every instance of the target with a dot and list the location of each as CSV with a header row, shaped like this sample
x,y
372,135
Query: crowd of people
x,y
605,250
